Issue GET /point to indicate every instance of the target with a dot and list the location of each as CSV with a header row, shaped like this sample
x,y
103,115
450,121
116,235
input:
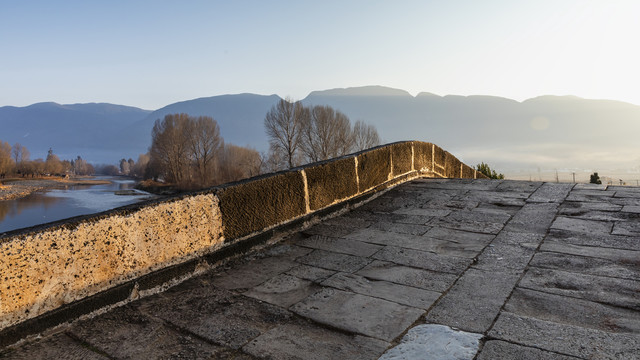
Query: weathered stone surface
x,y
423,159
630,228
429,212
574,208
439,156
331,181
401,157
253,273
533,218
628,269
452,166
344,246
519,186
309,342
283,290
618,255
400,228
220,316
474,313
418,242
404,275
606,290
434,342
598,240
423,259
504,256
551,192
125,333
261,203
59,346
44,270
311,273
358,313
401,294
631,209
582,226
407,219
565,339
564,310
476,221
334,261
323,229
496,349
468,172
374,168
459,236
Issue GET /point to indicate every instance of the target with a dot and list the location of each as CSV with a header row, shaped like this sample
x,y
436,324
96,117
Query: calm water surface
x,y
56,204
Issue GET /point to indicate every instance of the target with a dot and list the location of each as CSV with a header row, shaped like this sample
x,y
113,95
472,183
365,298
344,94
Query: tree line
x,y
299,134
189,152
15,160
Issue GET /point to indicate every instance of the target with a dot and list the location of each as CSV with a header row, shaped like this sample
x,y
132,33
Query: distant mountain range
x,y
545,132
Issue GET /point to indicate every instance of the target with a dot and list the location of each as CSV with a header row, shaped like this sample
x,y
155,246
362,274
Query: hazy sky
x,y
152,53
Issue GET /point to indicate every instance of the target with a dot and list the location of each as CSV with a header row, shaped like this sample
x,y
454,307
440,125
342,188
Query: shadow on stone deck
x,y
432,268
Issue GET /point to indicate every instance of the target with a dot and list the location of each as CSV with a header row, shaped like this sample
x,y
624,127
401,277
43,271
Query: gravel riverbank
x,y
15,189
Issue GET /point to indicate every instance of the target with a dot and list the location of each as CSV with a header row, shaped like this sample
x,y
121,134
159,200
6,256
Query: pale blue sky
x,y
153,53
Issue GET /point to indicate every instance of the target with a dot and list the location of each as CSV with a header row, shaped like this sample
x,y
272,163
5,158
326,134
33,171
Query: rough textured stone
x,y
331,181
606,290
401,294
452,166
503,350
374,168
222,317
474,313
533,218
283,290
334,261
401,156
252,273
565,339
551,192
439,156
253,205
579,207
344,246
124,333
357,313
423,259
468,172
434,342
630,228
628,269
44,270
400,228
618,255
313,343
459,236
598,240
311,273
59,346
564,310
582,226
420,278
423,160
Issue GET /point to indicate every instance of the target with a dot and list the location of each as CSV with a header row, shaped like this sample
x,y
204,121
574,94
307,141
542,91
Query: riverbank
x,y
11,189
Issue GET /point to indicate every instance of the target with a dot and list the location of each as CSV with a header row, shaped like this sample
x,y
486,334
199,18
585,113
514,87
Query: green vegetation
x,y
485,169
595,179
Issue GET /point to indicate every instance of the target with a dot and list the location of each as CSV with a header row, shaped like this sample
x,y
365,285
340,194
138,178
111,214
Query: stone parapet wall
x,y
54,266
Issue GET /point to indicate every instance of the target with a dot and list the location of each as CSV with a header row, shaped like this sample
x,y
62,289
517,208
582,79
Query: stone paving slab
x,y
125,333
533,218
283,290
565,339
59,346
253,273
410,276
617,255
607,290
311,273
334,261
551,192
313,343
582,226
459,236
578,207
434,342
401,228
630,228
340,245
496,349
586,265
358,313
401,294
222,317
568,310
477,312
596,240
423,259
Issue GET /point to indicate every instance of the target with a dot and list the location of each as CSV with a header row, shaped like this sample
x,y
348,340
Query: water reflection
x,y
56,204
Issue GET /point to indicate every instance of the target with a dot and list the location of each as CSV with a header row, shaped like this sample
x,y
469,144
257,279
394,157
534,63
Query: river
x,y
57,204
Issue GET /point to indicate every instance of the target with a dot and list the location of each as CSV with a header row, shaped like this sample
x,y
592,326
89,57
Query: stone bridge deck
x,y
434,268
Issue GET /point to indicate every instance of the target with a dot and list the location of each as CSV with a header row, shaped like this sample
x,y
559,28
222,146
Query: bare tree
x,y
238,162
283,124
20,153
365,136
205,142
6,162
326,134
169,147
